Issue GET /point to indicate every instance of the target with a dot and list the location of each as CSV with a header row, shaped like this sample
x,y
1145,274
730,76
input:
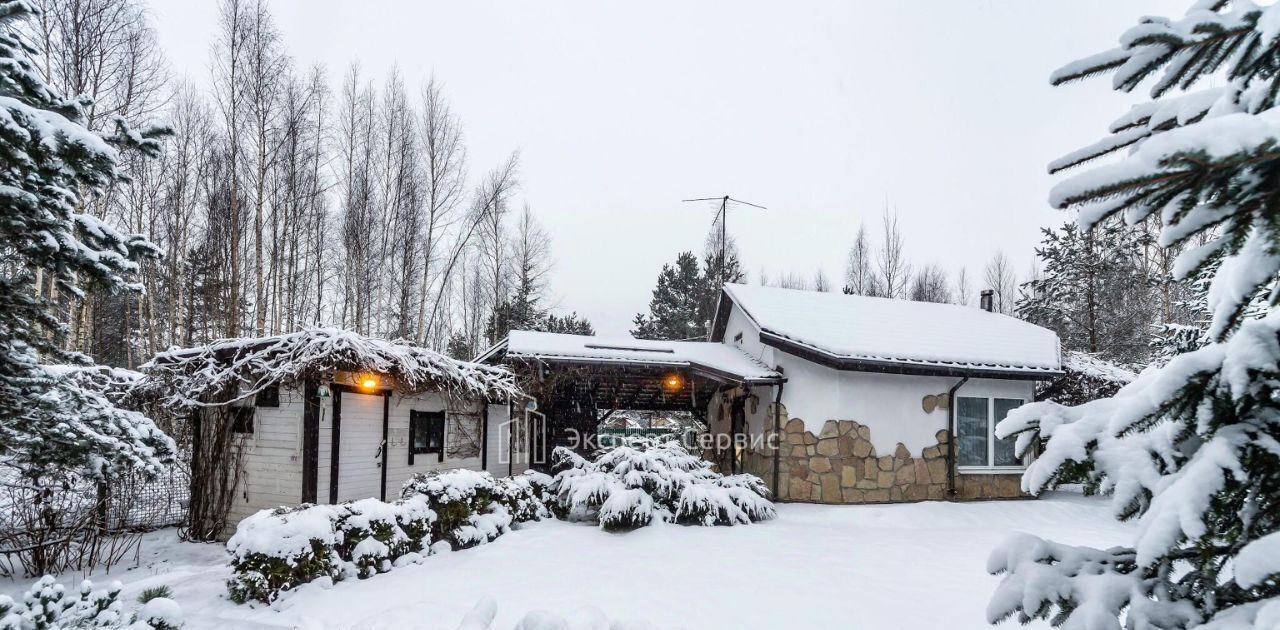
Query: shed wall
x,y
272,459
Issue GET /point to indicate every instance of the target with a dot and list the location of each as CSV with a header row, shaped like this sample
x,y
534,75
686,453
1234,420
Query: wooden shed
x,y
327,415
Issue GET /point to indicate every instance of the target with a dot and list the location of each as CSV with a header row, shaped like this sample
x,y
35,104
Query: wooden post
x,y
310,441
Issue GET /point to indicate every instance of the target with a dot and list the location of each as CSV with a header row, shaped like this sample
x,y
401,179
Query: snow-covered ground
x,y
893,566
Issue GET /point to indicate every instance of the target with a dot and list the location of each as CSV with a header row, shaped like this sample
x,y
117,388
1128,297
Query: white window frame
x,y
991,440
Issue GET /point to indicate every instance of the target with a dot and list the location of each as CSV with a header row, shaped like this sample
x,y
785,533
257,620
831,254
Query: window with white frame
x,y
977,445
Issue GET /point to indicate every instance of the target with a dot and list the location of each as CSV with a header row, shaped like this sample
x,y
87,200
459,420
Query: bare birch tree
x,y
444,164
894,272
999,277
859,277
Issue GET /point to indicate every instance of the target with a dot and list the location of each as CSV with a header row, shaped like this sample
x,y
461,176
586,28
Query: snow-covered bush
x,y
48,606
277,550
627,487
481,527
525,496
375,534
471,507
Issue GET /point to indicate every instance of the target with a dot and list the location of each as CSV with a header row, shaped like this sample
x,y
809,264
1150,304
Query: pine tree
x,y
570,324
1093,292
50,426
1191,448
675,311
685,298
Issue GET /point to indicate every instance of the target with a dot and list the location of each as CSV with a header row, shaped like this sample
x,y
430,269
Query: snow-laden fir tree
x,y
51,426
1094,291
1191,448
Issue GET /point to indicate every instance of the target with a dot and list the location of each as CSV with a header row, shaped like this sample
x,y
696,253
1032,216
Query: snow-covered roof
x,y
711,357
191,375
881,331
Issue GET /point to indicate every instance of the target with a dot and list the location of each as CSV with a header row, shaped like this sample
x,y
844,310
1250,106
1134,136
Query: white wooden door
x,y
359,446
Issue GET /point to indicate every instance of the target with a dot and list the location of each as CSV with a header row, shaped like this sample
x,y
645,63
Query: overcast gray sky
x,y
820,111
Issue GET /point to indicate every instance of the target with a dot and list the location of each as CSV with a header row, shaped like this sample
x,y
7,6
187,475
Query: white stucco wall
x,y
888,403
891,404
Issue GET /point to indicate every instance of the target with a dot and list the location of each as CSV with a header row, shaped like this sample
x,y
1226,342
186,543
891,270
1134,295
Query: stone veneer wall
x,y
840,465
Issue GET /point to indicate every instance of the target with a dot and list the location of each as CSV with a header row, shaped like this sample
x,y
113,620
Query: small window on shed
x,y
426,434
269,397
242,419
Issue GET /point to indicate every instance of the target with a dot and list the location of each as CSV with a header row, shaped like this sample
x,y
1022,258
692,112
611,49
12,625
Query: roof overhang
x,y
706,371
916,368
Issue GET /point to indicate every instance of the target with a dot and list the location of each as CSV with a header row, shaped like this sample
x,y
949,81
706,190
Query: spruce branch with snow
x,y
1191,448
50,425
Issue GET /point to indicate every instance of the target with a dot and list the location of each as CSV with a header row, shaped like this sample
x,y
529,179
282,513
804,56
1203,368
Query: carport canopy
x,y
626,373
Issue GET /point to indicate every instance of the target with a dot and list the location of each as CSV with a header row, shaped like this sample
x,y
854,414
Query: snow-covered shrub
x,y
625,509
453,494
481,527
628,487
544,489
471,507
48,606
277,550
524,496
371,536
160,613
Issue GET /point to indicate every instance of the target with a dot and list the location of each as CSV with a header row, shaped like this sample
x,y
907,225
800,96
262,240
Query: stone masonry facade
x,y
840,465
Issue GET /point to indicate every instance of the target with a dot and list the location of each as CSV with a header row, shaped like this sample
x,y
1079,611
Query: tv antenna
x,y
722,215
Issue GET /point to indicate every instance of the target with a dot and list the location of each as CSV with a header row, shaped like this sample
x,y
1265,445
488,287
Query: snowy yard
x,y
904,566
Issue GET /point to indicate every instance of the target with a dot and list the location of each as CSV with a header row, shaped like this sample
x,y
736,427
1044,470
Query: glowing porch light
x,y
673,382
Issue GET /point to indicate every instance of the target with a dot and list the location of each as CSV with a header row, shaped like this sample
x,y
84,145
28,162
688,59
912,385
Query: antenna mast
x,y
722,215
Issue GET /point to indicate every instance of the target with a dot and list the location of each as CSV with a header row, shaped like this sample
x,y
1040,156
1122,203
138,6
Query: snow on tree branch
x,y
1191,447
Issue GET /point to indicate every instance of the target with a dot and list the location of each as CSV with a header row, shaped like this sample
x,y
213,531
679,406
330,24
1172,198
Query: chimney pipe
x,y
985,299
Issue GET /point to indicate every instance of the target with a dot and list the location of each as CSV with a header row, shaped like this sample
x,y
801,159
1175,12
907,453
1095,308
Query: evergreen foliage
x,y
49,426
685,297
48,606
469,504
274,551
570,324
1191,448
1094,291
647,480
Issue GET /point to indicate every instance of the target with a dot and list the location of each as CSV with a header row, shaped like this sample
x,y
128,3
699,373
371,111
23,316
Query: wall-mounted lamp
x,y
673,382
